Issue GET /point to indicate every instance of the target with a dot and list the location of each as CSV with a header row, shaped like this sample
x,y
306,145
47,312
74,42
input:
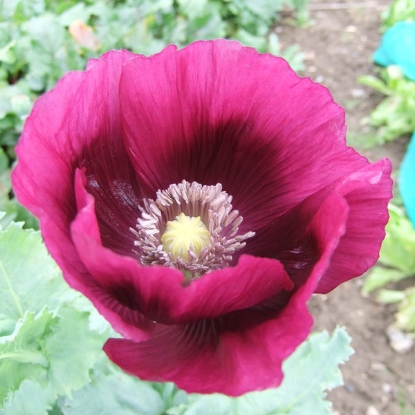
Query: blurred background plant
x,y
394,116
394,275
398,11
396,263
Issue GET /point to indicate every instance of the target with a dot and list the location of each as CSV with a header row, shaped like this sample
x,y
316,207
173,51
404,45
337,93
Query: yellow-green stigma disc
x,y
183,232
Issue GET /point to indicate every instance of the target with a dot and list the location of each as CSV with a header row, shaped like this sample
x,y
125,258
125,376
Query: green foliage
x,y
113,392
43,328
405,316
30,398
51,362
21,354
394,116
34,351
43,39
26,269
12,209
396,262
398,11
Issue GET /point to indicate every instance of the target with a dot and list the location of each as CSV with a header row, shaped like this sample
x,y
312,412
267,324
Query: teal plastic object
x,y
397,47
407,180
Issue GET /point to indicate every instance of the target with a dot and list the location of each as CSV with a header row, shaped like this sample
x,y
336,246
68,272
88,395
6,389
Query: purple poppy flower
x,y
199,198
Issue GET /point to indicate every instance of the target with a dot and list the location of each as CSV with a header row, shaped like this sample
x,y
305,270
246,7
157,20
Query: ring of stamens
x,y
212,206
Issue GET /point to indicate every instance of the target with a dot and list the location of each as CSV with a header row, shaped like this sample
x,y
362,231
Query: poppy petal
x,y
204,121
367,194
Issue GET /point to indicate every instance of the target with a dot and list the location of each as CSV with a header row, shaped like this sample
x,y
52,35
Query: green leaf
x,y
398,248
309,373
375,83
157,5
29,278
29,399
378,277
398,11
209,25
405,317
58,351
55,348
21,355
71,349
171,395
248,39
398,254
394,115
193,9
6,53
78,12
5,184
390,296
294,57
112,393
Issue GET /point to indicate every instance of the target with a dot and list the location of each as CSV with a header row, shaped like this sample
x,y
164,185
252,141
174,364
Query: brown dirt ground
x,y
338,45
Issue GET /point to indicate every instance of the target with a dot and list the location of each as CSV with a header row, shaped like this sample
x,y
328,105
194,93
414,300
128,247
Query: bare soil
x,y
338,46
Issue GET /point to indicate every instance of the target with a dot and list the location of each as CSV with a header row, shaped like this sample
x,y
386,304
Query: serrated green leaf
x,y
29,399
21,354
29,278
16,212
398,248
114,393
71,349
309,373
56,350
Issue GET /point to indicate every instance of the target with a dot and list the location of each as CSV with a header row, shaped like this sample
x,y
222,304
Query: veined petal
x,y
198,359
192,111
294,241
367,194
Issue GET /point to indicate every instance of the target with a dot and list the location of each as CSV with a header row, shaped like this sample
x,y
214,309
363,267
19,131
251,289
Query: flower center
x,y
189,227
185,233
